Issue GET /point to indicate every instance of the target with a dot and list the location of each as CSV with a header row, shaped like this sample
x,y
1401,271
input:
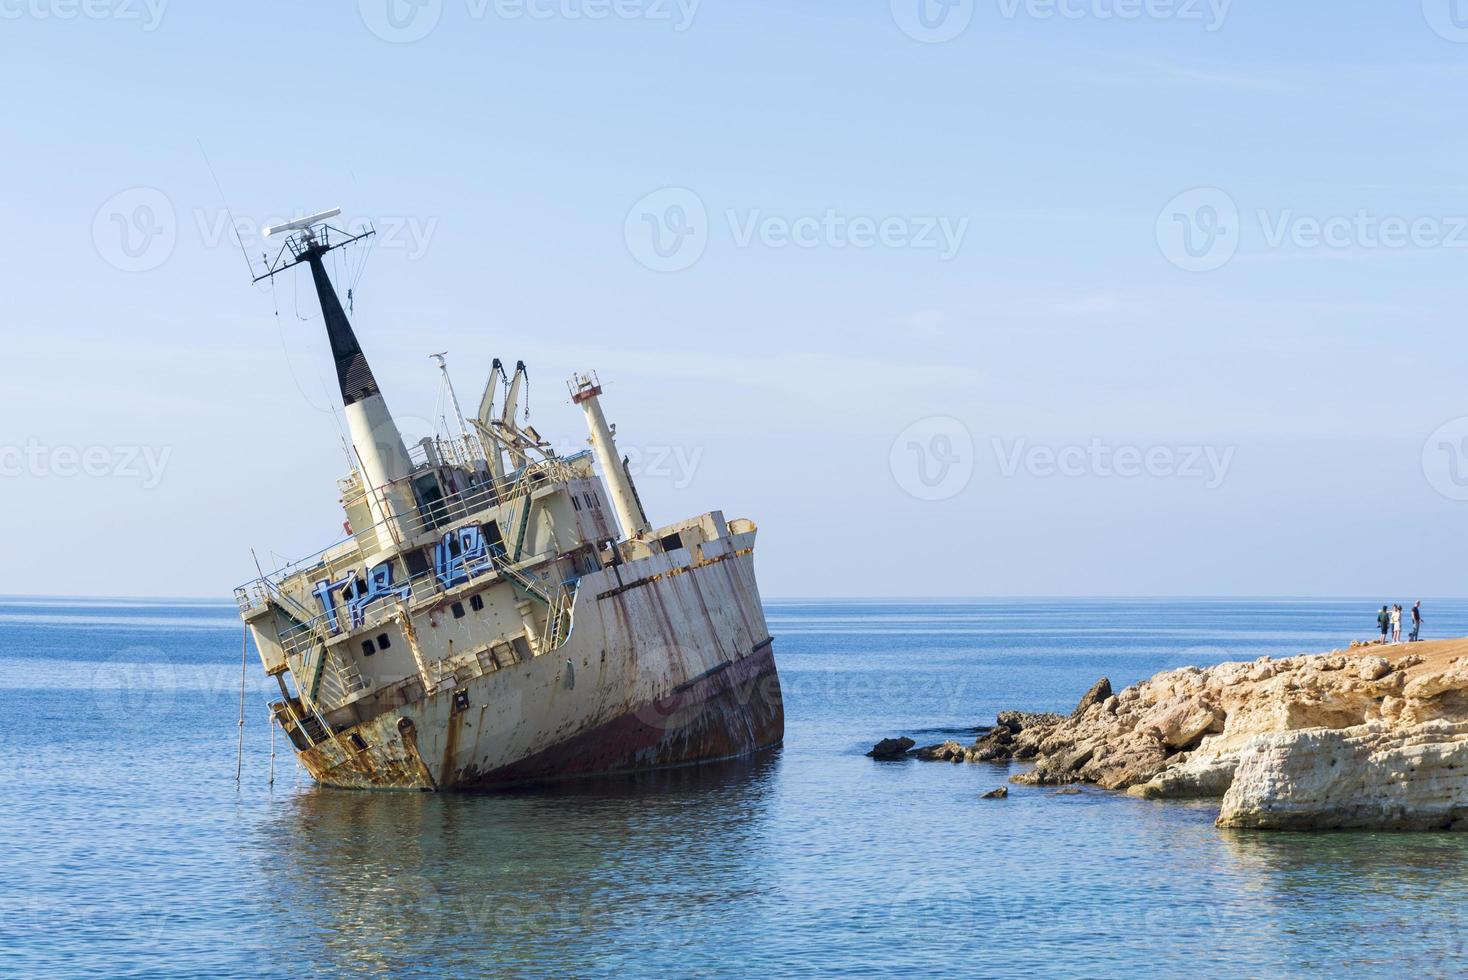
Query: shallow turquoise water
x,y
128,849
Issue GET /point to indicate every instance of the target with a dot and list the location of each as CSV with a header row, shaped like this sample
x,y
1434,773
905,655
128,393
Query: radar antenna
x,y
312,239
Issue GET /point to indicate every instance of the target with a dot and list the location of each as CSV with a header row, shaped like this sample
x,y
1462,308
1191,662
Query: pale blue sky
x,y
508,155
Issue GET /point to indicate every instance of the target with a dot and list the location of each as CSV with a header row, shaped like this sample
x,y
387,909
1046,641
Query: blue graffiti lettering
x,y
323,592
378,586
462,554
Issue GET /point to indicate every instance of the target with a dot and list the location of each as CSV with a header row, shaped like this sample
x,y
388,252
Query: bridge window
x,y
458,609
476,602
383,642
367,648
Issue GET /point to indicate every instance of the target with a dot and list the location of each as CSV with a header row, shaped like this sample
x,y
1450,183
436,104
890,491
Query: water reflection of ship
x,y
501,613
381,880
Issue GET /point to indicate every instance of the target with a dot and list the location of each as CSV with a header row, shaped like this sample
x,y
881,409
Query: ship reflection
x,y
378,881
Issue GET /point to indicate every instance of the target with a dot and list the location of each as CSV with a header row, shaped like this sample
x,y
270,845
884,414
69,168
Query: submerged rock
x,y
944,752
1002,793
891,748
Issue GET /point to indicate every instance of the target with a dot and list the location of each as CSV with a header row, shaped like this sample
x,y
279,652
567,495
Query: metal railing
x,y
449,510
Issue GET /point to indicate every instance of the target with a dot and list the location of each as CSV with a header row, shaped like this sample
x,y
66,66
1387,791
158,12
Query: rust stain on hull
x,y
733,709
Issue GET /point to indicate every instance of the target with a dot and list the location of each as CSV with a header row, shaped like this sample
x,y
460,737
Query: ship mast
x,y
382,459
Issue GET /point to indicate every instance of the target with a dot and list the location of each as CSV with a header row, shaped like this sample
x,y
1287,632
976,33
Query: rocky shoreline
x,y
1372,737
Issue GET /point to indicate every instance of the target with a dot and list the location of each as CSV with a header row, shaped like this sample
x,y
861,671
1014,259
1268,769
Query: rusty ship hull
x,y
668,662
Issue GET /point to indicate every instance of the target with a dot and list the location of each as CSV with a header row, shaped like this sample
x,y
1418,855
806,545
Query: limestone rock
x,y
1099,692
1002,793
1373,668
1373,776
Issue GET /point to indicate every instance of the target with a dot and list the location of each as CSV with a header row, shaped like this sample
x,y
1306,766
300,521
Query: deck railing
x,y
450,510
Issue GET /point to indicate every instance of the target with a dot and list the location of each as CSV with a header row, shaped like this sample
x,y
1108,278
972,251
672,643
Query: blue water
x,y
128,849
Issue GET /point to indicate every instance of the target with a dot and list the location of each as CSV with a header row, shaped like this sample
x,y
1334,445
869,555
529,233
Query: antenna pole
x,y
443,365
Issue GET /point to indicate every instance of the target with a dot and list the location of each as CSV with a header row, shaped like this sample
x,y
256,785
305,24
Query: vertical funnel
x,y
382,458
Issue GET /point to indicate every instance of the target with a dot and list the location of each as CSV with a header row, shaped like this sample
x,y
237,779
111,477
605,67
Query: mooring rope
x,y
239,752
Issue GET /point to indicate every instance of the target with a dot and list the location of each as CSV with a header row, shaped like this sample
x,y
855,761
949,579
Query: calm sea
x,y
129,850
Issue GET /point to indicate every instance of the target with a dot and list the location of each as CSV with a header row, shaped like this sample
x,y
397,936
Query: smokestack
x,y
586,392
381,455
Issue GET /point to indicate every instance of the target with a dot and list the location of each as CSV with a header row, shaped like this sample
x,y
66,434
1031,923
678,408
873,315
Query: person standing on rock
x,y
1384,622
1416,621
1397,623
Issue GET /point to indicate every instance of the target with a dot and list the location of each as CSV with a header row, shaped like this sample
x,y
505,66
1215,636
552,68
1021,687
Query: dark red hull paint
x,y
731,711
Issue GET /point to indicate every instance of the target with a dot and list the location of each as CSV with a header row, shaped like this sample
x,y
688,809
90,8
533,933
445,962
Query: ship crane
x,y
501,433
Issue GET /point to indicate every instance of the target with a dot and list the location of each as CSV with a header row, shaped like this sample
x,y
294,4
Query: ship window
x,y
476,602
575,503
367,648
383,642
357,742
458,609
672,542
